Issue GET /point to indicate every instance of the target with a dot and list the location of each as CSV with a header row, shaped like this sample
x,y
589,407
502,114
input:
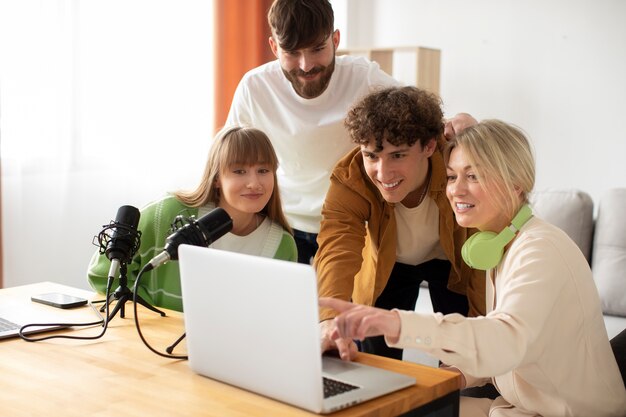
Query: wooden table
x,y
117,375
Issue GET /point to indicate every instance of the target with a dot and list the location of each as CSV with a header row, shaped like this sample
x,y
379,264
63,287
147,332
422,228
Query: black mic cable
x,y
104,321
135,313
202,232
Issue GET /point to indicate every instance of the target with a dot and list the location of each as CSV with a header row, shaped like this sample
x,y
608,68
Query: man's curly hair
x,y
401,115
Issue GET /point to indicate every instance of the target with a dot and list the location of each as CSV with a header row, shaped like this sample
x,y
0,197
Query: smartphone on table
x,y
59,300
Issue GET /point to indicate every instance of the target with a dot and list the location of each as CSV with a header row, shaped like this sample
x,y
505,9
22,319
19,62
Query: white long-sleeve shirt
x,y
308,134
543,342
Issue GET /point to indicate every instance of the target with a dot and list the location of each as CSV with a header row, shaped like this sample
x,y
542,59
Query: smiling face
x,y
474,205
398,171
308,69
245,188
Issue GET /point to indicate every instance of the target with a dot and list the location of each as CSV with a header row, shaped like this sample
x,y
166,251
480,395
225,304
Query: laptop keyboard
x,y
6,325
333,387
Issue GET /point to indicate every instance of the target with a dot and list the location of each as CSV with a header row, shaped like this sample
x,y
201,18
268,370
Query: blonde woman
x,y
542,343
240,177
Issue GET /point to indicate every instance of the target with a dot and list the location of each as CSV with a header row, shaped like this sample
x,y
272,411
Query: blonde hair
x,y
502,157
237,146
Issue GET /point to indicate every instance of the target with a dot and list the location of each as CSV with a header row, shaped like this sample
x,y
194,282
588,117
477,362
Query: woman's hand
x,y
346,347
358,321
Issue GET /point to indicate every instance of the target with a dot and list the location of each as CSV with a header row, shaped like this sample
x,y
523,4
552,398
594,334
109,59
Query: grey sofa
x,y
601,237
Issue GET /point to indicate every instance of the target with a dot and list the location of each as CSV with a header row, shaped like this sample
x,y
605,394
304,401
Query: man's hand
x,y
457,124
346,347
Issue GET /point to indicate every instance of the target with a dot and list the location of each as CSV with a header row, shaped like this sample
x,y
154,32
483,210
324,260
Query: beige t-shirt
x,y
418,233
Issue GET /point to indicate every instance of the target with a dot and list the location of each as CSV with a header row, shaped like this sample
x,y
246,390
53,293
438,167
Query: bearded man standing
x,y
300,101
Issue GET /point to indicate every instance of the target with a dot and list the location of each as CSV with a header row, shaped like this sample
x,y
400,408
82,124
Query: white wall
x,y
555,68
102,104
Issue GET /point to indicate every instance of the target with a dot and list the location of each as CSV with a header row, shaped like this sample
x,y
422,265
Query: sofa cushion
x,y
570,210
609,252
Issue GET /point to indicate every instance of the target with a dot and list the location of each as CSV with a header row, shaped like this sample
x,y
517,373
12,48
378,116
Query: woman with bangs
x,y
240,177
542,342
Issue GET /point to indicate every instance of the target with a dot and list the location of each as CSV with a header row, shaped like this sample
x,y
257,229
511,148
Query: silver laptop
x,y
16,313
252,322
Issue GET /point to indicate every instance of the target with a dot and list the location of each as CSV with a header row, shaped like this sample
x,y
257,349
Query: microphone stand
x,y
171,347
123,294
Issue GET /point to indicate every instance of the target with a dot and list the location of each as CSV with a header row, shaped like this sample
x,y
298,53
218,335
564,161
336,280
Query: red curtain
x,y
241,33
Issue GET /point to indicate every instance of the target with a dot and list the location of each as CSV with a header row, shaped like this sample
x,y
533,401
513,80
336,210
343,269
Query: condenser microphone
x,y
123,241
202,232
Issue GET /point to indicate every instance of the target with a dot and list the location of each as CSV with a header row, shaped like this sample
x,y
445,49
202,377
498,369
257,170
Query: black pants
x,y
402,290
306,244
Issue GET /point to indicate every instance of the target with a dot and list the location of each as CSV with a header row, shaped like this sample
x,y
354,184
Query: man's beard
x,y
311,89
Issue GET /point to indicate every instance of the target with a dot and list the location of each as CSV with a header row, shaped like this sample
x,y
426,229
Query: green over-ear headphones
x,y
484,250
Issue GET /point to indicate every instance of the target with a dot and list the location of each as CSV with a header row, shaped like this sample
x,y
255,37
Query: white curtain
x,y
102,104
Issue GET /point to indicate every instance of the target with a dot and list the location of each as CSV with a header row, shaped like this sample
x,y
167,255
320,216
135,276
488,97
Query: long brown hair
x,y
237,146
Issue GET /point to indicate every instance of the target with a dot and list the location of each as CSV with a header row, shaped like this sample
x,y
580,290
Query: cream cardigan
x,y
543,342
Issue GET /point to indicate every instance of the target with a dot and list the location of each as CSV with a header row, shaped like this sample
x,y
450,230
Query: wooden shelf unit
x,y
426,62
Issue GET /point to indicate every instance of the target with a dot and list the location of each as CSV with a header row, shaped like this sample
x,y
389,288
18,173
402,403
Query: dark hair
x,y
401,115
298,24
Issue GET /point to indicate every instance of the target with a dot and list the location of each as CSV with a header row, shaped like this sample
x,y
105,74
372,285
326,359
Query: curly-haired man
x,y
387,224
